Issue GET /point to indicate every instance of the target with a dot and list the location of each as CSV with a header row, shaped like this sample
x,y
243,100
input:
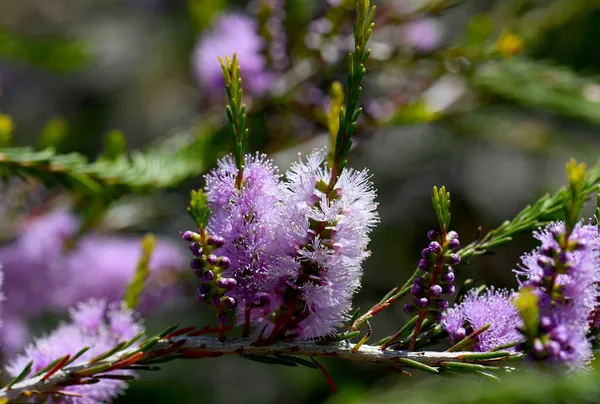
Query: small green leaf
x,y
417,365
168,330
22,375
198,209
462,366
119,347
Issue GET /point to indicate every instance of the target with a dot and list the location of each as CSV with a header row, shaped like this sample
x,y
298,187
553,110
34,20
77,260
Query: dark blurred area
x,y
489,98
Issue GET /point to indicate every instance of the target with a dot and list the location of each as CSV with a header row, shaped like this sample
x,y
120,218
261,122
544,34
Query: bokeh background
x,y
489,98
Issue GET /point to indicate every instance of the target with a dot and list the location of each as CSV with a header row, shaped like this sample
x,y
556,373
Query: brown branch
x,y
204,347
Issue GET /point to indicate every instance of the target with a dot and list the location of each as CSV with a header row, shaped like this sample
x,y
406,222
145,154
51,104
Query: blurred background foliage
x,y
487,97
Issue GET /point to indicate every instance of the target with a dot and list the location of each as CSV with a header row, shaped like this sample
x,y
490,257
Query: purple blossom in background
x,y
232,33
423,34
494,307
95,324
564,320
43,274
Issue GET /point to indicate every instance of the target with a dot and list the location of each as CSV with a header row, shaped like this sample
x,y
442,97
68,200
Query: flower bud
x,y
224,262
435,247
187,235
212,259
216,241
421,302
448,277
460,334
453,259
435,290
196,249
453,244
229,302
433,235
208,276
451,235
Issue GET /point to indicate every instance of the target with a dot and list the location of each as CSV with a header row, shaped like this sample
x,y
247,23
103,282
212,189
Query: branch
x,y
137,172
205,347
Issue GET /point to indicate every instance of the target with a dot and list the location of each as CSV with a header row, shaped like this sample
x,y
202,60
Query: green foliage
x,y
333,123
544,210
6,129
356,70
198,209
236,110
106,180
142,271
26,370
541,86
60,55
574,200
441,205
202,12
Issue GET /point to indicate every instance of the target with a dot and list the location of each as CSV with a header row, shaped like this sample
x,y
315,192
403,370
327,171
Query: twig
x,y
210,347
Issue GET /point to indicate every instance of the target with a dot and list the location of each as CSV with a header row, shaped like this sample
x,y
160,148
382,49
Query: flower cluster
x,y
295,247
38,263
231,33
94,324
493,308
328,233
437,279
563,275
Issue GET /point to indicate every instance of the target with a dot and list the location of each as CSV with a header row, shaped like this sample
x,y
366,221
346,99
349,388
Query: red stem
x,y
413,340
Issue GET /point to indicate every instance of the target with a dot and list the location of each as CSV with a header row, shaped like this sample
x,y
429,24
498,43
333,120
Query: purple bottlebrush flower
x,y
328,237
232,33
44,272
494,307
573,266
247,220
93,324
